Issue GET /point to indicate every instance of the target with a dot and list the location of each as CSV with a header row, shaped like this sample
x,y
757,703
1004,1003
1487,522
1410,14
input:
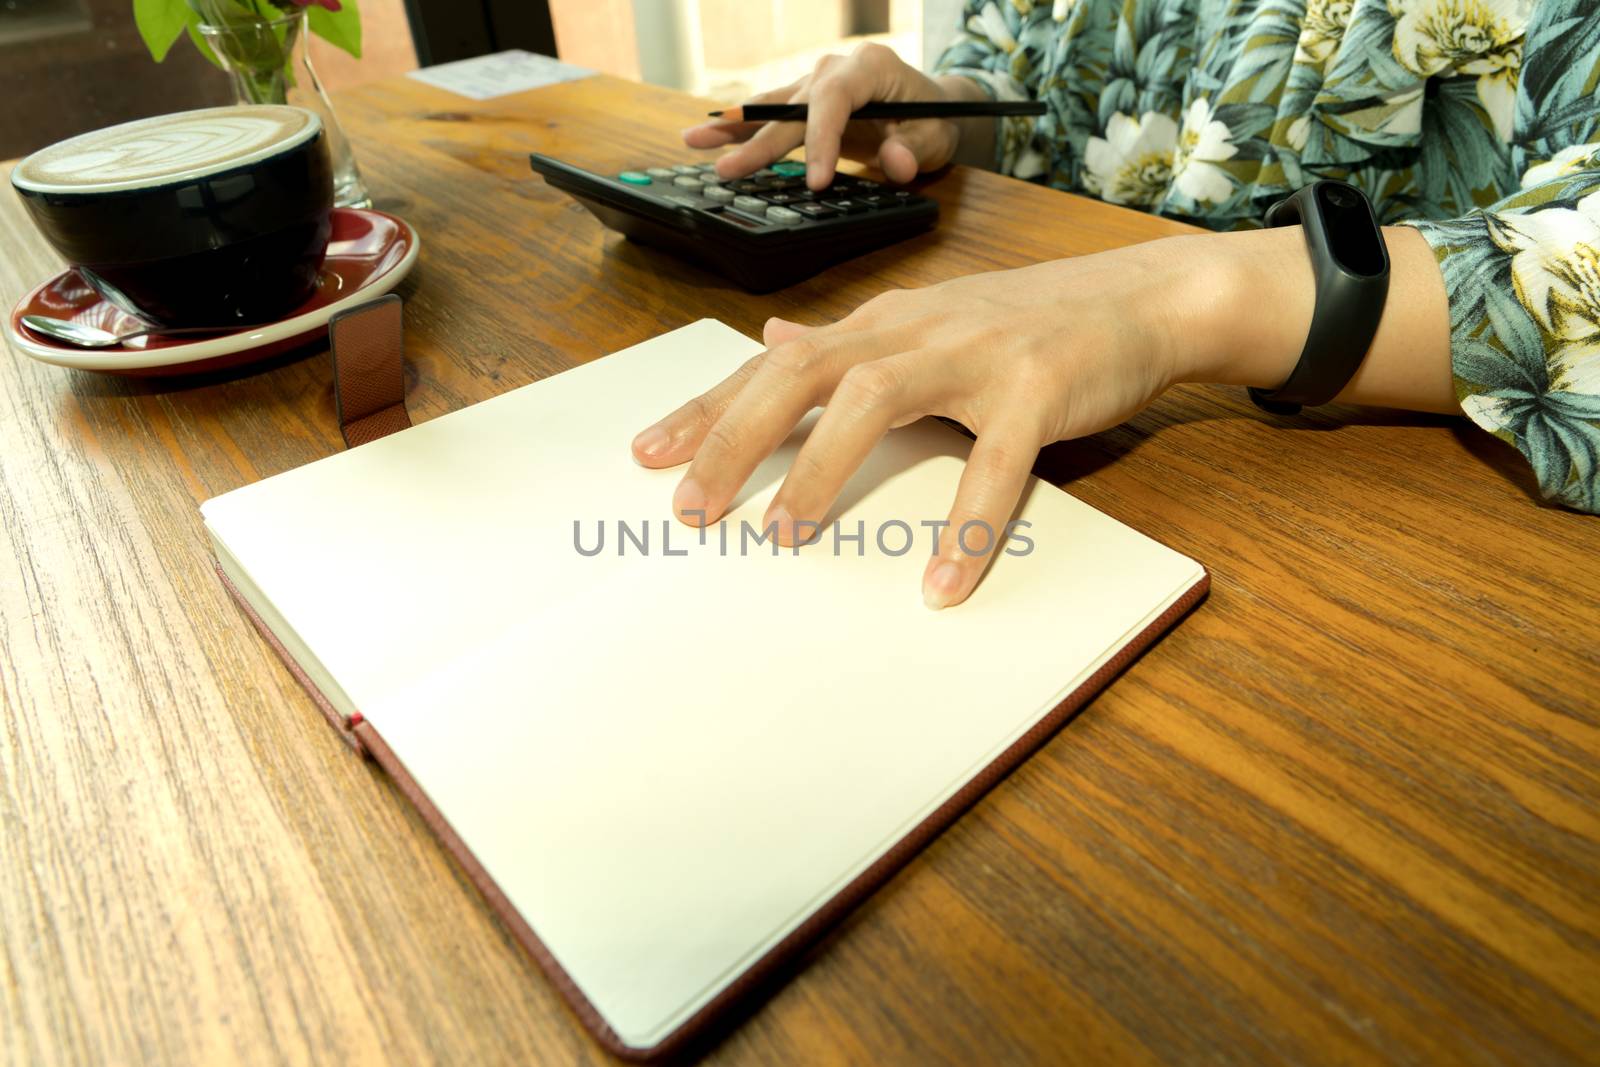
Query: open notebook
x,y
670,772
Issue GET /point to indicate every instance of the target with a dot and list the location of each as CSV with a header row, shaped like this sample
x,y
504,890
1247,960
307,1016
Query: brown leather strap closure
x,y
369,382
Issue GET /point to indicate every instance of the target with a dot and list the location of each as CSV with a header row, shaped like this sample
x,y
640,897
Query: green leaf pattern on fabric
x,y
1477,121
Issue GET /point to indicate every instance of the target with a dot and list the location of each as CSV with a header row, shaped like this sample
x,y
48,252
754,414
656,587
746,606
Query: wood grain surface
x,y
1348,812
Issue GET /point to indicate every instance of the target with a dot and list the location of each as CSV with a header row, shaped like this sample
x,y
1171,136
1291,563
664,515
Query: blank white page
x,y
667,763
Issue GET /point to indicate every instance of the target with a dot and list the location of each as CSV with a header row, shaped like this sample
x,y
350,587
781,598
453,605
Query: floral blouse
x,y
1477,121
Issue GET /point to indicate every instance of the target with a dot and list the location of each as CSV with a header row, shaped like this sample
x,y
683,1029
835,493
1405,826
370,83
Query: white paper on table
x,y
499,74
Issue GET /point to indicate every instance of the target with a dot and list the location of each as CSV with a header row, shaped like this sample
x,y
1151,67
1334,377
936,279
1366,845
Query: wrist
x,y
1242,306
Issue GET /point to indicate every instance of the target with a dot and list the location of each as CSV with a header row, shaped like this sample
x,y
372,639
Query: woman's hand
x,y
1021,358
838,86
1026,357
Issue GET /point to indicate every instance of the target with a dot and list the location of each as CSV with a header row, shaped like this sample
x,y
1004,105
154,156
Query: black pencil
x,y
921,109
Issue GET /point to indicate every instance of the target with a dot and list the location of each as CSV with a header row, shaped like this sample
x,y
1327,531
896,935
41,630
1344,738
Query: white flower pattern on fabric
x,y
1555,267
1569,160
989,23
1202,145
1398,114
1476,37
1132,164
1437,108
1298,133
1321,31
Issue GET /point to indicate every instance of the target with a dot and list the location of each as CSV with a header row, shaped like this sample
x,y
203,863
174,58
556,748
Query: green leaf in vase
x,y
160,22
340,28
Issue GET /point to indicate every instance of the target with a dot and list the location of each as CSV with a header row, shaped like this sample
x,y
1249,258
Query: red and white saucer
x,y
368,254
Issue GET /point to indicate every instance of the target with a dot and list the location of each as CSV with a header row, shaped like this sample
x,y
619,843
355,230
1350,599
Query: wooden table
x,y
1349,811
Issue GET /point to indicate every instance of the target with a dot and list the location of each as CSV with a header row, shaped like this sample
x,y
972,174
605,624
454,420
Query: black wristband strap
x,y
1351,265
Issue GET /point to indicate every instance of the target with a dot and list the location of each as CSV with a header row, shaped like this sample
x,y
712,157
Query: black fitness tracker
x,y
1351,266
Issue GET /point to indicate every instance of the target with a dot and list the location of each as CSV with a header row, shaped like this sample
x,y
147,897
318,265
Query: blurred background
x,y
67,66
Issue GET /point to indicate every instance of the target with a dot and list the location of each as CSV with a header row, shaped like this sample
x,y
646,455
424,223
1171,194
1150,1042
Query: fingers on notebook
x,y
991,485
777,331
730,430
789,381
676,438
868,400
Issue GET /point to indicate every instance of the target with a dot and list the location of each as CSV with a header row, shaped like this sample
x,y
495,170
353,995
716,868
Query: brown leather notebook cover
x,y
761,978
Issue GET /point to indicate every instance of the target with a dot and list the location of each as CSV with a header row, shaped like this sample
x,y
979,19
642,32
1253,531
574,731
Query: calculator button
x,y
754,205
778,183
778,198
686,168
705,168
764,172
790,169
747,186
633,177
865,185
778,213
719,194
662,173
814,210
845,207
689,182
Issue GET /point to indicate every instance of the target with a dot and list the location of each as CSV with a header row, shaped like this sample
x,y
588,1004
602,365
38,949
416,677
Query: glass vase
x,y
269,63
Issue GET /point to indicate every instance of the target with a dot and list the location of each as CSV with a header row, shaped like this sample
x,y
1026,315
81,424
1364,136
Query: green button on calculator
x,y
789,168
633,177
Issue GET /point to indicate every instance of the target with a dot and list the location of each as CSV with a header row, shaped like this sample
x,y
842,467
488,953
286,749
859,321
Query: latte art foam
x,y
167,148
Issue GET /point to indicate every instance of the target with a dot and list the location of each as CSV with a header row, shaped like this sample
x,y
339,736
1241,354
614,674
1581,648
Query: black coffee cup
x,y
218,217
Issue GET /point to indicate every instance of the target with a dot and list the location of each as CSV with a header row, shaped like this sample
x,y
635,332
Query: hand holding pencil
x,y
883,88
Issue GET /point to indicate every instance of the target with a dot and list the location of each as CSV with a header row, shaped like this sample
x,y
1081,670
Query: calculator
x,y
763,232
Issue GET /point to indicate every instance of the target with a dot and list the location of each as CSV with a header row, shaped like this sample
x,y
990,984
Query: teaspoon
x,y
85,336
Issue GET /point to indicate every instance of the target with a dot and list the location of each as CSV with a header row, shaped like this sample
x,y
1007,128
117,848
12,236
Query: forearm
x,y
1248,307
975,143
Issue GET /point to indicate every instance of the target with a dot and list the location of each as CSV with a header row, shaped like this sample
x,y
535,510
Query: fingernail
x,y
941,586
778,516
690,503
652,441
